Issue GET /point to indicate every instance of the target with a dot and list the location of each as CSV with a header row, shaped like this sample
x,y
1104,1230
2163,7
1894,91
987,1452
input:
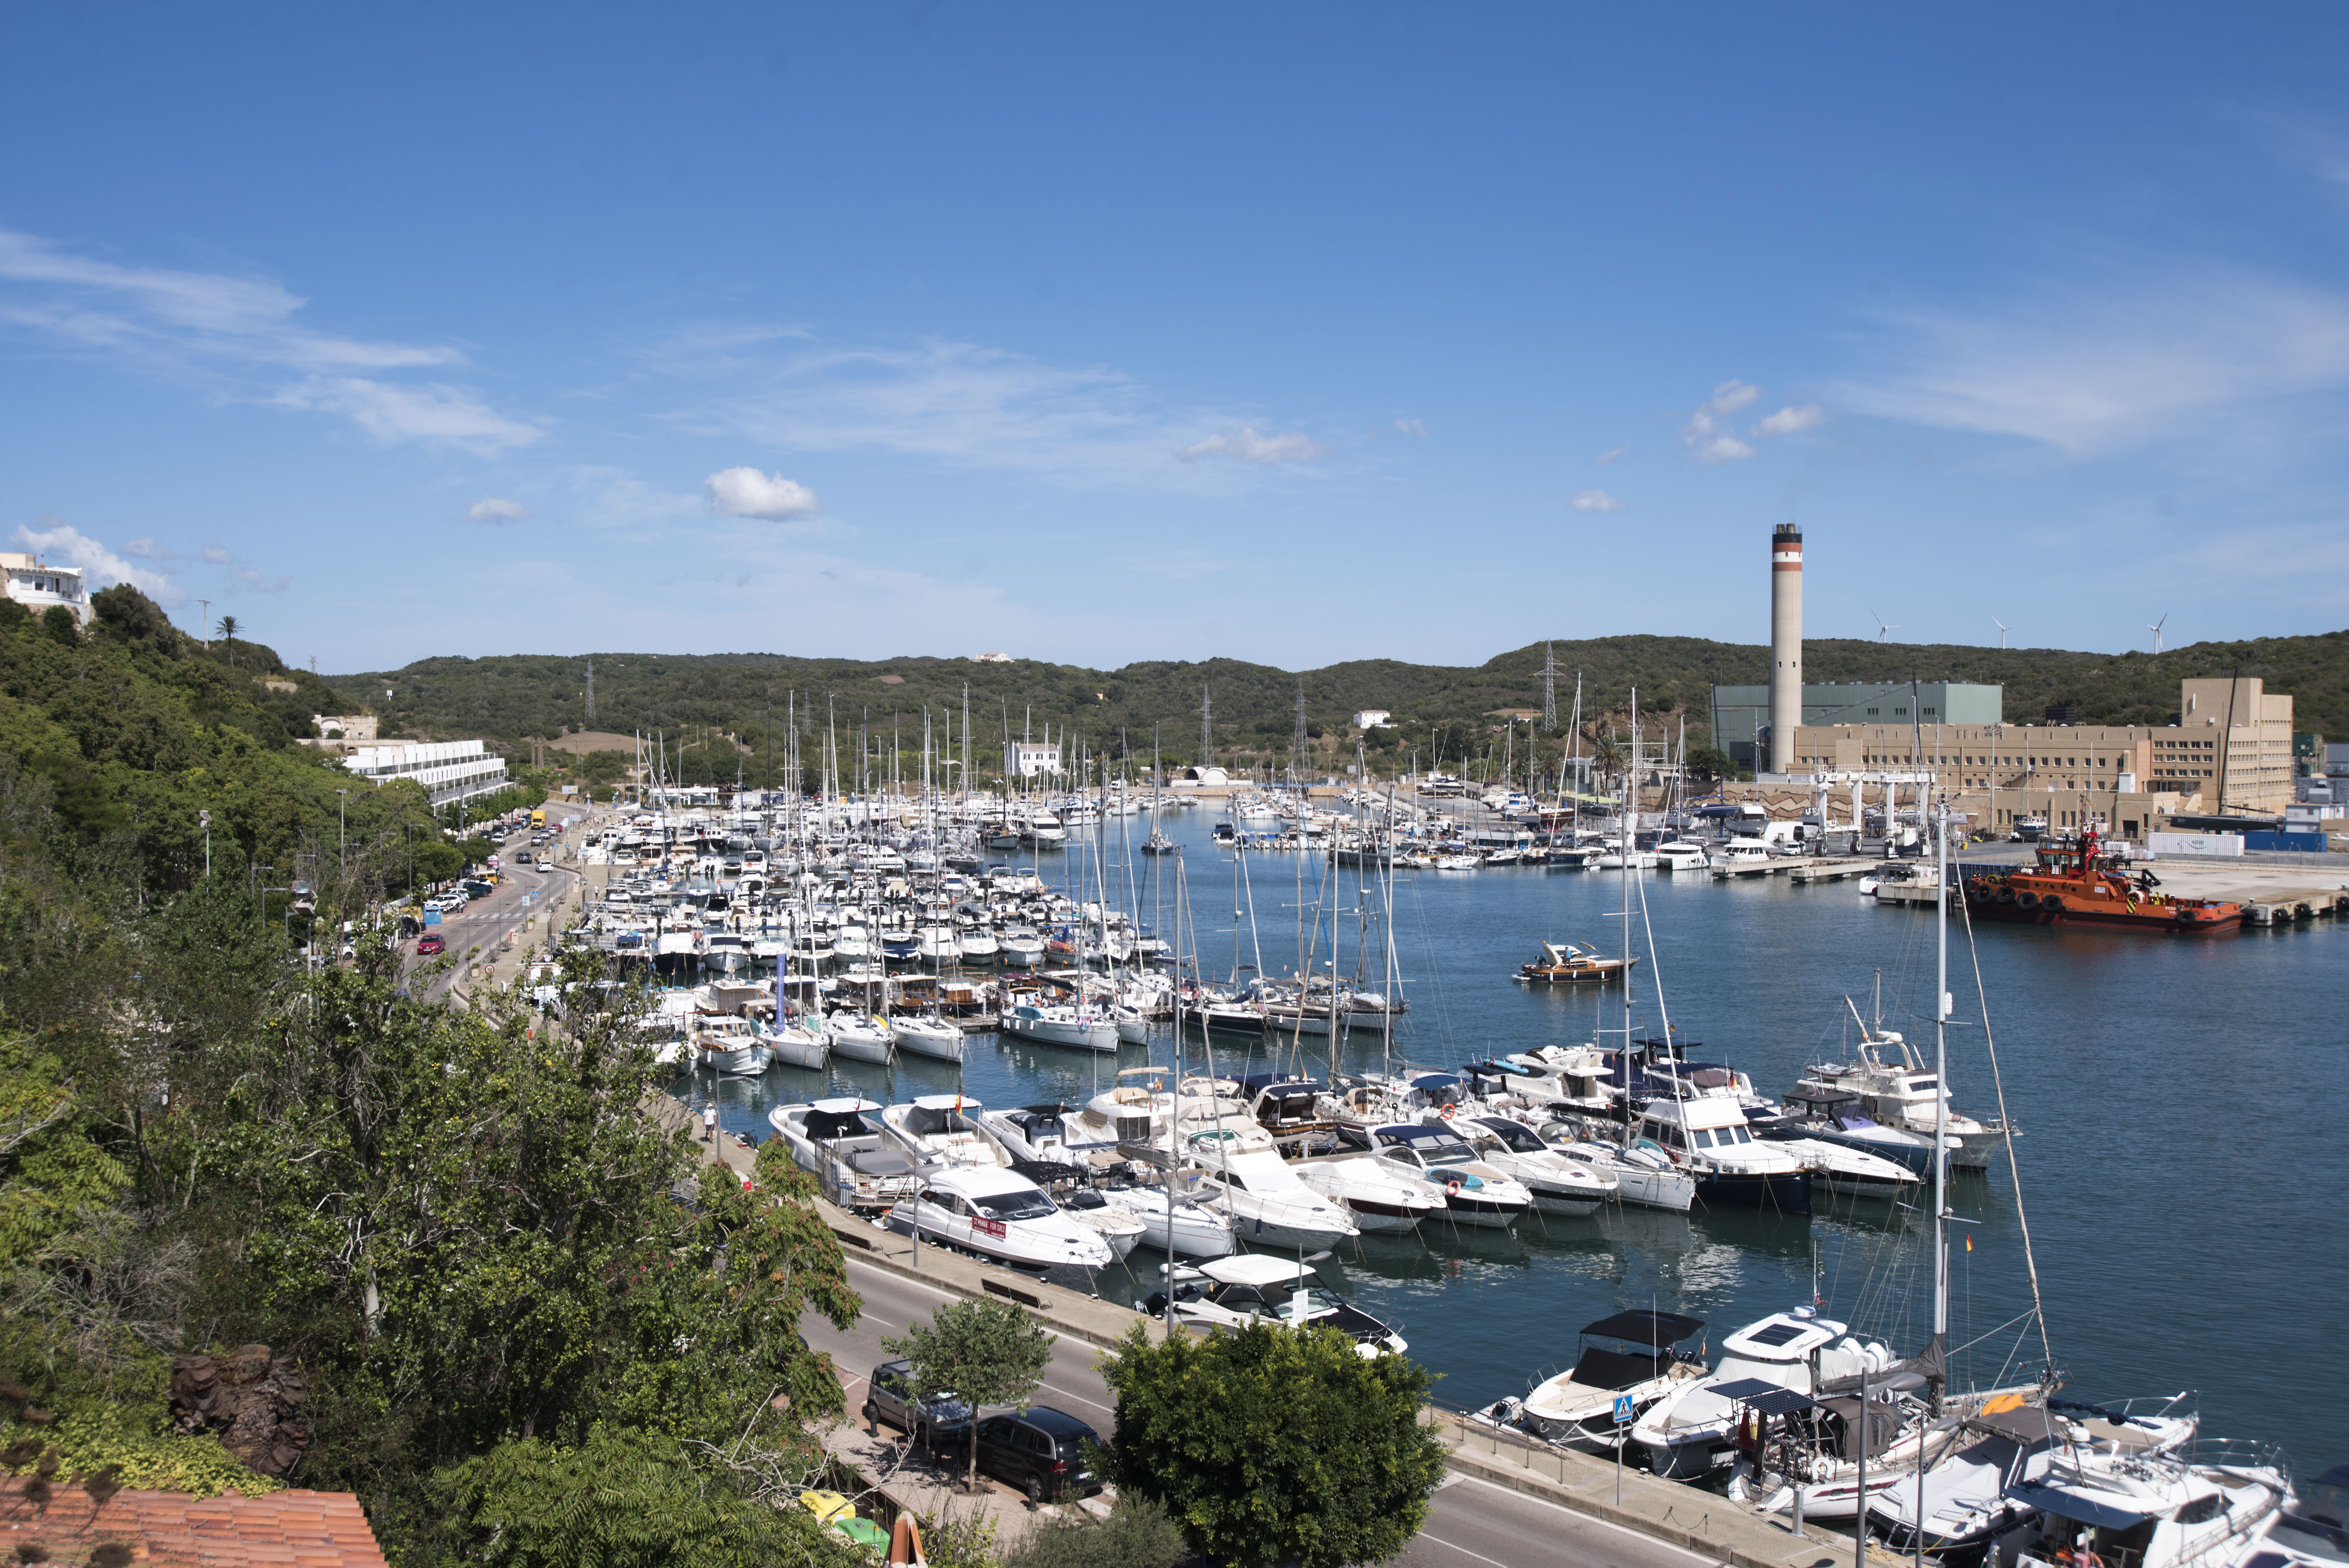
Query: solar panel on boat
x,y
1776,1333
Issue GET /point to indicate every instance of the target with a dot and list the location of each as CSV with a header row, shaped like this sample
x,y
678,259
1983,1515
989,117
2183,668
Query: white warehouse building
x,y
448,770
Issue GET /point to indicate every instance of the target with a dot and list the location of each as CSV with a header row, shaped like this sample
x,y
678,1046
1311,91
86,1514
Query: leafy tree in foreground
x,y
1138,1535
981,1352
1272,1444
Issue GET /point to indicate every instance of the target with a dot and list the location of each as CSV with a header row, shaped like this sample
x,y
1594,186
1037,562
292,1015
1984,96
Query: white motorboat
x,y
1688,1433
1578,1405
933,1037
1473,1193
1851,1172
977,945
1906,1094
1970,1462
795,1046
1242,1174
2147,1510
1059,1025
944,1130
1034,1132
1021,948
1252,1288
1707,1138
1680,855
859,1037
1375,1196
1133,1024
1197,1231
999,1215
730,1044
1121,1230
839,1142
1559,1185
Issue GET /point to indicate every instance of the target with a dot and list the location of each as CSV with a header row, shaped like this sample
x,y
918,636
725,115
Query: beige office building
x,y
2129,777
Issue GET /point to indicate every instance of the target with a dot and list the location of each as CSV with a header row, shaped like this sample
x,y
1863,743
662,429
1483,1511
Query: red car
x,y
427,945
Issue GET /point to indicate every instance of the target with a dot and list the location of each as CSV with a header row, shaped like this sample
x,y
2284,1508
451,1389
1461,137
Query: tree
x,y
1271,1444
1138,1535
980,1352
59,623
1707,763
228,636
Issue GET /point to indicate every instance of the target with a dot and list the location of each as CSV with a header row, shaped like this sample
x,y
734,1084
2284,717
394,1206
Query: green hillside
x,y
747,695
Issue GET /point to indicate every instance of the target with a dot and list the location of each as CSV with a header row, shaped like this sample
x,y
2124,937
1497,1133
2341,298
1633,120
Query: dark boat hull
x,y
1785,1193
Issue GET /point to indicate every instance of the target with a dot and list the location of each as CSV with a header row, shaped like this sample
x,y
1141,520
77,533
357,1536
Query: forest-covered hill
x,y
509,698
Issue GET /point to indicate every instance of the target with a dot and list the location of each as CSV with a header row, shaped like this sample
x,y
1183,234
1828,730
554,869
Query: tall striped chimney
x,y
1786,644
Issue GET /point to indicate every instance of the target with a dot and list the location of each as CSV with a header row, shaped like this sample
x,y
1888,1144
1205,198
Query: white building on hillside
x,y
1371,719
36,585
448,770
1028,759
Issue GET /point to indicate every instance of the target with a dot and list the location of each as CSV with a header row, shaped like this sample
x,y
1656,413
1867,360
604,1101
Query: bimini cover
x,y
1614,1369
1645,1326
1435,1083
927,1116
829,1118
2030,1426
2101,1509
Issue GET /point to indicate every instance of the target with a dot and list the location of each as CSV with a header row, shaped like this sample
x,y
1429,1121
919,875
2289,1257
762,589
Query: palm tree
x,y
228,636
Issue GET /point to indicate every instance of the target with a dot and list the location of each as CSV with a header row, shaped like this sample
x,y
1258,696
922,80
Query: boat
x,y
1001,1215
933,1037
1123,1230
859,1037
1038,1133
1833,1115
2146,1510
730,1044
1197,1230
1910,1096
1059,1025
944,1130
1572,963
839,1142
1644,1177
1232,1293
2314,1528
1021,947
1559,1185
1681,855
1158,843
1689,1432
1473,1193
796,1046
1578,1405
2074,883
1240,1172
1372,1193
1707,1138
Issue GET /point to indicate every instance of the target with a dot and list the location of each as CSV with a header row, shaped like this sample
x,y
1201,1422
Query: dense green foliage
x,y
1137,1535
731,708
1269,1444
495,1273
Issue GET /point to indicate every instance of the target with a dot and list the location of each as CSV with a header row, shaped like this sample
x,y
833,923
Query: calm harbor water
x,y
2183,1106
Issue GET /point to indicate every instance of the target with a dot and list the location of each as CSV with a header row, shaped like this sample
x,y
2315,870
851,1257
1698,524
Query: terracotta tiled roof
x,y
284,1529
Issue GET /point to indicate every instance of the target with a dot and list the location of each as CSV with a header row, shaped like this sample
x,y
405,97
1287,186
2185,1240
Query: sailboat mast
x,y
1941,1103
1631,1122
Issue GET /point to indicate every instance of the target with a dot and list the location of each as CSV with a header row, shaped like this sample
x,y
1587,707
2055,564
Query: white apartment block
x,y
448,770
1027,759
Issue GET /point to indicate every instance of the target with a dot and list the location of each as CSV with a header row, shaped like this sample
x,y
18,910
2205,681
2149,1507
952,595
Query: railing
x,y
2242,1453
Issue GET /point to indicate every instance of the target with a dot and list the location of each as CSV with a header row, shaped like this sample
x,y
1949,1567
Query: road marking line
x,y
1463,1551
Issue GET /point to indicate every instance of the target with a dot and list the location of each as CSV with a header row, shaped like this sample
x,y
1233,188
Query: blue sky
x,y
1096,333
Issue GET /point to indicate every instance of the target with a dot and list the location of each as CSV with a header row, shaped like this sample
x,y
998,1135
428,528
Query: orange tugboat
x,y
2073,885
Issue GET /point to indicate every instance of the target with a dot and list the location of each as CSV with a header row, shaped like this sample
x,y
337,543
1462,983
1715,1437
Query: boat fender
x,y
1452,1188
2027,900
2006,895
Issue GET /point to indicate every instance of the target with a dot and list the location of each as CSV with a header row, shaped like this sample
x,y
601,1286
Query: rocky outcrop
x,y
248,1400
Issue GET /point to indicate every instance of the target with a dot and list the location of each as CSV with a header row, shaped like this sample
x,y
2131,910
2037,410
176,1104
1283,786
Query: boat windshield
x,y
1026,1203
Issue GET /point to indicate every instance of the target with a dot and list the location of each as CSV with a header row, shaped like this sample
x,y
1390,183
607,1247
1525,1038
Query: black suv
x,y
1040,1450
891,1400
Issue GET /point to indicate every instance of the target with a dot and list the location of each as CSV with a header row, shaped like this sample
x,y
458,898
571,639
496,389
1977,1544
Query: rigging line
x,y
2002,1328
2006,1131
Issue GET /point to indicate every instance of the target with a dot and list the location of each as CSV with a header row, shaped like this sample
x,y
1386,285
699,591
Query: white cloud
x,y
497,508
1412,426
2101,369
393,412
746,492
217,555
1789,420
149,550
101,567
1595,500
245,576
1702,434
1603,459
1249,447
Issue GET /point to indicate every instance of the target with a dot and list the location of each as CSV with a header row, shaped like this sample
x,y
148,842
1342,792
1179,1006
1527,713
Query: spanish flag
x,y
1969,1240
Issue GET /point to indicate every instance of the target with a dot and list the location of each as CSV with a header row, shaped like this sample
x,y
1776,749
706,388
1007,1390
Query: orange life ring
x,y
1447,1113
1452,1188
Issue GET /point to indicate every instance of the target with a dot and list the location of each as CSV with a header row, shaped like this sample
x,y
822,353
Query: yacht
x,y
1833,1115
933,1037
1375,1195
1995,1444
1059,1025
1021,948
1906,1095
1242,1174
859,1037
1578,1405
999,1215
1116,1225
1475,1193
1197,1231
1644,1177
1559,1185
943,1129
1707,1138
977,945
1680,855
796,1046
839,1143
1689,1433
730,1045
2147,1510
1253,1287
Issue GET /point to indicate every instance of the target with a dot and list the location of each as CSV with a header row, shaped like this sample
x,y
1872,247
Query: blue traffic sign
x,y
1623,1409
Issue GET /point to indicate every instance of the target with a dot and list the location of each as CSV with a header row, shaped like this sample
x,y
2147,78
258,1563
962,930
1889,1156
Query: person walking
x,y
709,1121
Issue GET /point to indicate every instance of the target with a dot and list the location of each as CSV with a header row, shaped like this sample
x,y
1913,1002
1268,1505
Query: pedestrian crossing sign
x,y
1623,1409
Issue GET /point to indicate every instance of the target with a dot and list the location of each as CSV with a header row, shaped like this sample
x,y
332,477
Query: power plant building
x,y
1741,714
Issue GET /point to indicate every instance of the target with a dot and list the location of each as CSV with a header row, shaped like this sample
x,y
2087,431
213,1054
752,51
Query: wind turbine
x,y
2002,630
1883,632
2156,629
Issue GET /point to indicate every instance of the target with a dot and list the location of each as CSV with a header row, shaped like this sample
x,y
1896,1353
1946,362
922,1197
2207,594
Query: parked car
x,y
891,1399
429,944
1042,1451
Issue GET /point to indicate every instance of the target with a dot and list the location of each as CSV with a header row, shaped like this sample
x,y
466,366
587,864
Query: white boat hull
x,y
799,1047
920,1037
1084,1035
861,1045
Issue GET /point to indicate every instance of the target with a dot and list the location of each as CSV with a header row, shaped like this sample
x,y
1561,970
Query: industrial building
x,y
1741,714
